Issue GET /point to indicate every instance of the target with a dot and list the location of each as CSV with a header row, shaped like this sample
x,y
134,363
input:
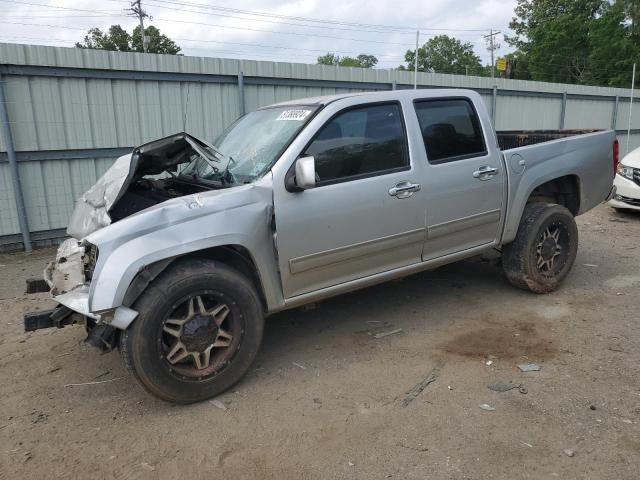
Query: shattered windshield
x,y
249,146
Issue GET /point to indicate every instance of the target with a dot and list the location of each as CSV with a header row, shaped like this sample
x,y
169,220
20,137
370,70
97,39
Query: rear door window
x,y
450,130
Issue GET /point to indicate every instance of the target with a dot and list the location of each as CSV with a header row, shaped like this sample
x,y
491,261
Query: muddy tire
x,y
198,331
544,249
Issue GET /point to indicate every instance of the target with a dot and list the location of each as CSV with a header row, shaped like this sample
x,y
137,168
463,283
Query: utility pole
x,y
633,85
136,8
415,62
492,47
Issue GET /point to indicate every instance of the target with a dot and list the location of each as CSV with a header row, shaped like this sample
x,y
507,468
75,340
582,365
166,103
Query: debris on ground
x,y
147,467
592,407
218,404
487,407
92,383
103,374
568,452
386,334
488,363
529,367
505,387
591,265
295,364
411,395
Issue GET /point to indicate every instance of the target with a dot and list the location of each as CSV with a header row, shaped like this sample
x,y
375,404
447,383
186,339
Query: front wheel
x,y
544,250
199,328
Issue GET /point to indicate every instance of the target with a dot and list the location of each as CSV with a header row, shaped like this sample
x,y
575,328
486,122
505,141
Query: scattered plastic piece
x,y
568,452
502,387
529,367
487,407
218,404
386,334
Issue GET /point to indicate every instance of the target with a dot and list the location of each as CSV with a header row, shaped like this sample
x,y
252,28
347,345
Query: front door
x,y
465,181
366,213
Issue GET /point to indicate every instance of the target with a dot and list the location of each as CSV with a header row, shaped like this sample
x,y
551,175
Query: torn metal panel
x,y
93,209
67,271
239,215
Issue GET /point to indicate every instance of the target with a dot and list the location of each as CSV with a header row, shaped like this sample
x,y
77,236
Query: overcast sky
x,y
224,31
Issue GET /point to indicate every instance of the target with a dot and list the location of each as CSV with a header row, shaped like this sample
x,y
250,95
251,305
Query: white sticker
x,y
296,115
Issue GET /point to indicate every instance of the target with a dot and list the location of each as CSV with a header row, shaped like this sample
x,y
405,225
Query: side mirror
x,y
305,173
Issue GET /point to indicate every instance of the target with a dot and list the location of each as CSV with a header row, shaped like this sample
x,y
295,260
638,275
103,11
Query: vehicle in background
x,y
627,183
182,248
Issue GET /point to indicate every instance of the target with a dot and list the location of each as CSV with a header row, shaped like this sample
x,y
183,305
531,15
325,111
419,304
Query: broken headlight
x,y
89,260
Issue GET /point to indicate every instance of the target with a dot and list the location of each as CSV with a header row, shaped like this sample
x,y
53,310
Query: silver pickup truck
x,y
183,247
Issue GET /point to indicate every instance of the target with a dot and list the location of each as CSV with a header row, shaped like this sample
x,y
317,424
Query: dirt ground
x,y
327,399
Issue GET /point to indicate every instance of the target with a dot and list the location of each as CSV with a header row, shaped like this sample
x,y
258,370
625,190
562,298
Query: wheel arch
x,y
565,190
235,256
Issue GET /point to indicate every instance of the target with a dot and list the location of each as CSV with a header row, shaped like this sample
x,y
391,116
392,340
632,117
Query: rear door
x,y
366,213
465,181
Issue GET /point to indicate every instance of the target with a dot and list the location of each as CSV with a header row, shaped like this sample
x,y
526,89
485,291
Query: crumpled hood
x,y
171,214
91,211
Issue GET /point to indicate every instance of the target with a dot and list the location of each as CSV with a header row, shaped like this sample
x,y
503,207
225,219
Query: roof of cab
x,y
327,99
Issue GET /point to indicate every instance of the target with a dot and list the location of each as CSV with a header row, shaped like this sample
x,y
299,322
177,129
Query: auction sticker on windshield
x,y
297,115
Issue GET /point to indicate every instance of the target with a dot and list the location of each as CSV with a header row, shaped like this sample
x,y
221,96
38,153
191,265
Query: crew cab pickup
x,y
183,247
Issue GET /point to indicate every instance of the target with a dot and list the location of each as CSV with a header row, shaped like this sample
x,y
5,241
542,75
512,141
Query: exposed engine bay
x,y
148,176
146,192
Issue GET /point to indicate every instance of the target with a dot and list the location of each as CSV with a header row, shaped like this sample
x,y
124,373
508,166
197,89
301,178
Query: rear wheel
x,y
199,328
544,249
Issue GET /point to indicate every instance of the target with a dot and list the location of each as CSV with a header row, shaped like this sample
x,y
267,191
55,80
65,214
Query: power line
x,y
328,24
59,7
280,33
46,25
408,30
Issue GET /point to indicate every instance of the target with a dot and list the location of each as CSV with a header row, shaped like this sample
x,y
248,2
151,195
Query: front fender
x,y
238,216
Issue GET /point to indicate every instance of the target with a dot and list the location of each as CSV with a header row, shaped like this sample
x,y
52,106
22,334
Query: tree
x,y
614,47
554,35
361,61
517,66
578,41
445,54
158,43
119,39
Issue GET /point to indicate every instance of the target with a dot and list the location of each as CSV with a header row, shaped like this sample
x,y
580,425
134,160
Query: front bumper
x,y
67,278
627,194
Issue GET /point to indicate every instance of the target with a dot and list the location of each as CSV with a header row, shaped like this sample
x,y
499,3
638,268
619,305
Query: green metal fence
x,y
68,113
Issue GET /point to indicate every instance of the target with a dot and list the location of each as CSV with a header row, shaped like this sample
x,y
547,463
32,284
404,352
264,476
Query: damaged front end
x,y
137,181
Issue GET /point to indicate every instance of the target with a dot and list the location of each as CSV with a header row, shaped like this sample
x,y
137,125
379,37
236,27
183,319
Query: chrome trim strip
x,y
447,228
357,250
339,289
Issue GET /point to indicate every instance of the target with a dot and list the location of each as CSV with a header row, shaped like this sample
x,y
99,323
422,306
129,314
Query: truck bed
x,y
521,138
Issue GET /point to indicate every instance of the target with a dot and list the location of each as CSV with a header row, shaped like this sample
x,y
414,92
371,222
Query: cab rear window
x,y
450,130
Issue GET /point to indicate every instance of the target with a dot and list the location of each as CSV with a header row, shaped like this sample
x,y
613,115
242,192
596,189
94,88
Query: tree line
x,y
590,42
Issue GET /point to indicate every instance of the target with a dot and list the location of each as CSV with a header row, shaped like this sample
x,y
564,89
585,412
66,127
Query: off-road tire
x,y
139,343
519,258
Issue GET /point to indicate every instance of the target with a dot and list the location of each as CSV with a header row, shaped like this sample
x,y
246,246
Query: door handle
x,y
404,189
485,172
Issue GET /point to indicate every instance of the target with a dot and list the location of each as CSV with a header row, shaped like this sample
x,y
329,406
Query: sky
x,y
264,29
